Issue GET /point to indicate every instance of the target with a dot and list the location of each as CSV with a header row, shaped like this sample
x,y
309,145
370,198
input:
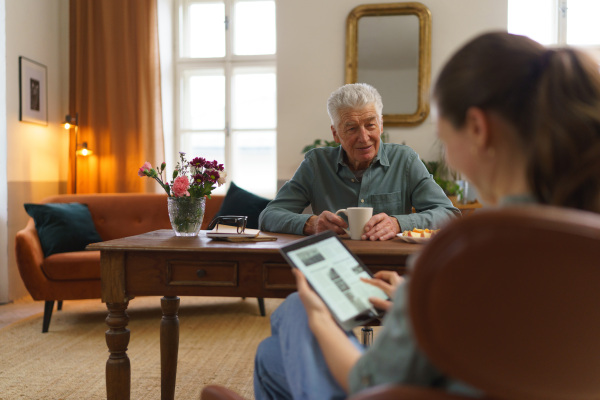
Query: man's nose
x,y
363,134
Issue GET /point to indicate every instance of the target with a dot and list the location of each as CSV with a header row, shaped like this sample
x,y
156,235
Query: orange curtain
x,y
115,89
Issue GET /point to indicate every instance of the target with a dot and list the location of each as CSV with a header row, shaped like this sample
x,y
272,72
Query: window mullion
x,y
229,161
228,31
181,28
228,110
561,19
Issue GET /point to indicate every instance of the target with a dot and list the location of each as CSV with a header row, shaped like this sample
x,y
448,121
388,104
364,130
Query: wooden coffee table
x,y
161,264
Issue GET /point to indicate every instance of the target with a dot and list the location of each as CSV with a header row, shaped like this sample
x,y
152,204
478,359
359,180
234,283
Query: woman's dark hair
x,y
551,97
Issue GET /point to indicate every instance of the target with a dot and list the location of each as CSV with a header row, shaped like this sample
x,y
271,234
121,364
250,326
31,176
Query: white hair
x,y
353,95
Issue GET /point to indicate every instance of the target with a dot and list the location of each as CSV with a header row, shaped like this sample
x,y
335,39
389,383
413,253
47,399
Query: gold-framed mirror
x,y
388,45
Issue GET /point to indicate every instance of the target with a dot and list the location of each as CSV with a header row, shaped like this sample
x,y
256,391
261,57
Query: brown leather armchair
x,y
507,301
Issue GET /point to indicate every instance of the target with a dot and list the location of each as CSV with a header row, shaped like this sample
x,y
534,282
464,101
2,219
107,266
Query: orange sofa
x,y
76,275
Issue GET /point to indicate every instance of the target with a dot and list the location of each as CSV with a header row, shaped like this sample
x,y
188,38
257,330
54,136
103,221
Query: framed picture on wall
x,y
33,92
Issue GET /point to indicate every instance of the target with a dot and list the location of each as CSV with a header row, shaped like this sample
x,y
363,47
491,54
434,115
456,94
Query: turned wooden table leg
x,y
118,369
169,346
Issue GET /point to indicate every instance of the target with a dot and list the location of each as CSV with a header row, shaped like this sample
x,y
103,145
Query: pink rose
x,y
180,186
146,167
222,177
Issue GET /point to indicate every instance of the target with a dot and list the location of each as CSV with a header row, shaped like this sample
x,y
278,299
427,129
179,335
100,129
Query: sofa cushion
x,y
72,266
63,227
238,201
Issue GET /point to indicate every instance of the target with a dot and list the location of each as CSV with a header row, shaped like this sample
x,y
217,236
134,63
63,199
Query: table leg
x,y
118,370
169,345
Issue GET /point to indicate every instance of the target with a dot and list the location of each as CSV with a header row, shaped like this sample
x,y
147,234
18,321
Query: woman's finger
x,y
380,304
391,277
387,288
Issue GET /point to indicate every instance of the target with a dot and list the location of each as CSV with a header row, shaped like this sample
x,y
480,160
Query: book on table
x,y
230,233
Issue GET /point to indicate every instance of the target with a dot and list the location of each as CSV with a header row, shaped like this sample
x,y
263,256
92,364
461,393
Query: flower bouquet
x,y
191,183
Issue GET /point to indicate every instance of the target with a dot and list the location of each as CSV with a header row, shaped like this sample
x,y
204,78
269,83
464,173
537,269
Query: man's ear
x,y
336,138
477,124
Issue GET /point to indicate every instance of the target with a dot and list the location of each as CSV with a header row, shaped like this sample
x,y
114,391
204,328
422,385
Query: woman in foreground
x,y
522,123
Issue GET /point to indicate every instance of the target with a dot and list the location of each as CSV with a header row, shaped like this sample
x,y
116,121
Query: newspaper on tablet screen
x,y
335,274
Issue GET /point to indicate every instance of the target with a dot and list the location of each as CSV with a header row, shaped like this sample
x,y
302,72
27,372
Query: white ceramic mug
x,y
357,219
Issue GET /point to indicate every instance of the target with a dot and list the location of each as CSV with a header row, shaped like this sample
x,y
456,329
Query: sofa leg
x,y
48,306
59,305
261,306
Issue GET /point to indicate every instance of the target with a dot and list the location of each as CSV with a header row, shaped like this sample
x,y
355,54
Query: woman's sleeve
x,y
394,357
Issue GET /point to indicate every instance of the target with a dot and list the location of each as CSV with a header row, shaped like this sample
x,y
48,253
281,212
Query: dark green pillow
x,y
238,201
63,227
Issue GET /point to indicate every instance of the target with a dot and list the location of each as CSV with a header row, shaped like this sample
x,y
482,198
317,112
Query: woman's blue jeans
x,y
289,364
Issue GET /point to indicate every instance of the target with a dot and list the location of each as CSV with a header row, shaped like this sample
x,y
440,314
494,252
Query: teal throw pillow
x,y
63,227
238,201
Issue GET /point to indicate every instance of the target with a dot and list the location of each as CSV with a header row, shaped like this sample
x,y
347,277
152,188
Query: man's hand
x,y
381,227
326,221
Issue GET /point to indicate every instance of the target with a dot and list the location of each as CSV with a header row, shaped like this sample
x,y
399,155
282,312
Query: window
x,y
226,88
557,22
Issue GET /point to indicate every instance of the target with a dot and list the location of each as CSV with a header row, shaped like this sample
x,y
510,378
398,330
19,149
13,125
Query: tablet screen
x,y
334,272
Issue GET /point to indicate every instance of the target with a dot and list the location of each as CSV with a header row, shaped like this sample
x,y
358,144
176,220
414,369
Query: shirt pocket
x,y
390,203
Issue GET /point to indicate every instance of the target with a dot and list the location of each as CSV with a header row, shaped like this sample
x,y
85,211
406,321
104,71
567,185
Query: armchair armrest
x,y
30,256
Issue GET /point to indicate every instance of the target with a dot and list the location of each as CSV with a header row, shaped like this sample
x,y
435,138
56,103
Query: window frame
x,y
559,30
228,63
563,9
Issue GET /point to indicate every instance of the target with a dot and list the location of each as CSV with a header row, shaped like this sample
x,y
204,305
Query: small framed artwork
x,y
33,92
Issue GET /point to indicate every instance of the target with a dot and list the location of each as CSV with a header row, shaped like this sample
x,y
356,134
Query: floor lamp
x,y
80,149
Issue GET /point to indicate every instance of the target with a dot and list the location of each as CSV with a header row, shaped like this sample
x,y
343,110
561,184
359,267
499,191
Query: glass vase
x,y
186,214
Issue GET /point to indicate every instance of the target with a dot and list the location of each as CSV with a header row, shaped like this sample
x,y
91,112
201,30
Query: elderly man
x,y
362,172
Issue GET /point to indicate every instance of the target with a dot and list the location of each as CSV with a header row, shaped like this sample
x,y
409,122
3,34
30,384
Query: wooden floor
x,y
19,309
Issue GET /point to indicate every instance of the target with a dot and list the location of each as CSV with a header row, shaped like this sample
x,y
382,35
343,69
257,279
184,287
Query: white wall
x,y
310,65
37,162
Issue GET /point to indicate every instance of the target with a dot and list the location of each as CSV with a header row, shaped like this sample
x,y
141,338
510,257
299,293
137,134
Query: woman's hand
x,y
387,281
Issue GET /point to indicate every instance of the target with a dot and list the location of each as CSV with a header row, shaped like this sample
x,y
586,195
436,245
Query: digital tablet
x,y
334,273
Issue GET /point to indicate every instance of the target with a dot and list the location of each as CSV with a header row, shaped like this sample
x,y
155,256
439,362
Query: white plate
x,y
410,239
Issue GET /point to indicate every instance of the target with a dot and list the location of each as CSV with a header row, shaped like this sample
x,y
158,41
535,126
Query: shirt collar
x,y
382,155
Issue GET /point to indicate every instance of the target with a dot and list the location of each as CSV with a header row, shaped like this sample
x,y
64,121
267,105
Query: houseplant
x,y
191,183
444,178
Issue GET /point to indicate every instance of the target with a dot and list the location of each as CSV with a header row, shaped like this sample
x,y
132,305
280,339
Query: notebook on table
x,y
334,272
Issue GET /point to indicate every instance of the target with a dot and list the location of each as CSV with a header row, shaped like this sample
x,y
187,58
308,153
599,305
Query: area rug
x,y
218,340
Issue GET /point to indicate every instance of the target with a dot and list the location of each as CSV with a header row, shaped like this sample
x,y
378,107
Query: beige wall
x,y
3,151
37,156
310,65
